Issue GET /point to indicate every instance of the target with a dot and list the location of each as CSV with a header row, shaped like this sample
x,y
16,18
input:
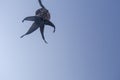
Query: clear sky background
x,y
86,45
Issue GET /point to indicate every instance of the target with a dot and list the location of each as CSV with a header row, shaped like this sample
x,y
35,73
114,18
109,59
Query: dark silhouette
x,y
38,23
41,18
43,12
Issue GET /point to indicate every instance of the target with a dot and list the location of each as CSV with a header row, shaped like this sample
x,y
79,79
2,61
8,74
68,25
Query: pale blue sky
x,y
86,45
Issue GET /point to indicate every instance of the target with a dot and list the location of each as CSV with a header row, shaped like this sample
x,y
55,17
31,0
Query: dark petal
x,y
47,22
30,18
42,32
32,29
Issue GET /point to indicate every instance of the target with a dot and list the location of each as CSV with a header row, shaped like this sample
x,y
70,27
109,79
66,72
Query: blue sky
x,y
86,45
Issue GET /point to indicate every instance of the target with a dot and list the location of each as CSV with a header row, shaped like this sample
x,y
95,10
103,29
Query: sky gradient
x,y
85,46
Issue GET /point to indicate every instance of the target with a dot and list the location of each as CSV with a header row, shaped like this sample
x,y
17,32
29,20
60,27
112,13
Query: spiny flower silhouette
x,y
41,18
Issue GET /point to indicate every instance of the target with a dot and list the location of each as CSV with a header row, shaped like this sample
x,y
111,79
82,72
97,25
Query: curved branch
x,y
41,4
